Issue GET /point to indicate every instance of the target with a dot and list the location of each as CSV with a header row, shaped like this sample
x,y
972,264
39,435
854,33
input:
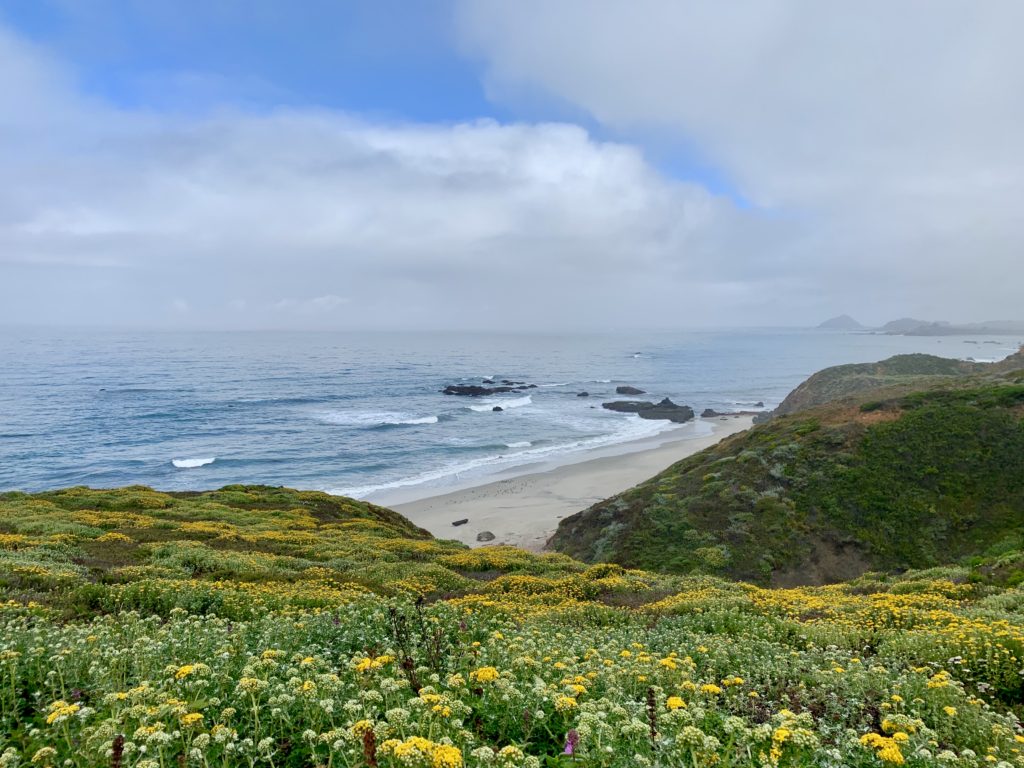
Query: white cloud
x,y
897,199
890,134
356,223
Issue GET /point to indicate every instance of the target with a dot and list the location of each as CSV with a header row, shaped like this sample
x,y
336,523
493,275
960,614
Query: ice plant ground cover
x,y
258,626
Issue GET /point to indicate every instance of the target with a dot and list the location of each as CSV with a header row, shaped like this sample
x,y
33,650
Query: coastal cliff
x,y
873,478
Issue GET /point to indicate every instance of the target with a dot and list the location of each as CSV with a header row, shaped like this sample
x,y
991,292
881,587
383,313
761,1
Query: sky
x,y
528,165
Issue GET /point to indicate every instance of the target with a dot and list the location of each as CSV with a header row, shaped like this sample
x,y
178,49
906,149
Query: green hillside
x,y
885,479
257,626
831,384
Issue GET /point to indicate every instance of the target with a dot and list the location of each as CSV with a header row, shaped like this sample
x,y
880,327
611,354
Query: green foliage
x,y
904,481
269,627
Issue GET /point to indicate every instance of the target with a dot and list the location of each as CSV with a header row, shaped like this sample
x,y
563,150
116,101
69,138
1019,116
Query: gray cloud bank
x,y
880,149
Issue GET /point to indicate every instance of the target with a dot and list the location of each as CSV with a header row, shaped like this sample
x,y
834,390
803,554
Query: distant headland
x,y
909,326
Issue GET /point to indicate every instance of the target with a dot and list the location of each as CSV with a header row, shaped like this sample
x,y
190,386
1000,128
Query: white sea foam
x,y
602,381
373,419
628,428
488,405
562,384
191,463
520,444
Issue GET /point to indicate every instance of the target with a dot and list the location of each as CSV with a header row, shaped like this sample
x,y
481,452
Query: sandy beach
x,y
524,510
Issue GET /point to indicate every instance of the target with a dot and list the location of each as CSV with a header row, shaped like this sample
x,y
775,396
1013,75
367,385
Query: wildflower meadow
x,y
267,627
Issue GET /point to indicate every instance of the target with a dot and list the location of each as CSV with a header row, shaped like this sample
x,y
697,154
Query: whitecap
x,y
191,463
489,405
520,444
373,419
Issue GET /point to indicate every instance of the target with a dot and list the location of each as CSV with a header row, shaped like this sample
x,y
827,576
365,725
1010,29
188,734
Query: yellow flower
x,y
951,711
446,756
60,710
484,675
711,688
184,671
887,749
565,703
251,684
191,719
367,664
674,702
360,727
44,755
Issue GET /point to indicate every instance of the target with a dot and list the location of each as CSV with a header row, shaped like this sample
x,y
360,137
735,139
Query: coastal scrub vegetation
x,y
264,626
886,479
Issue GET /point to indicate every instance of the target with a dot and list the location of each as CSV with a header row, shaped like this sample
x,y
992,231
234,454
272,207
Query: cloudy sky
x,y
490,164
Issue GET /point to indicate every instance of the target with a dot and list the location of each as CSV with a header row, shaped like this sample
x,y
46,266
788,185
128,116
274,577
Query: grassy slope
x,y
884,479
831,384
271,627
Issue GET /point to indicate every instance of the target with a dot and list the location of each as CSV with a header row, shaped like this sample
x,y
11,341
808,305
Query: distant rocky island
x,y
909,326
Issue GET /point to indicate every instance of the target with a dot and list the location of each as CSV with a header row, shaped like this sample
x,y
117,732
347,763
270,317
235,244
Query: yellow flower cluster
x,y
484,675
887,749
417,750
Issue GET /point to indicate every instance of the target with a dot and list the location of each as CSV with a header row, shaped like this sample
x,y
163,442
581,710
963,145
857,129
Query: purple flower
x,y
572,738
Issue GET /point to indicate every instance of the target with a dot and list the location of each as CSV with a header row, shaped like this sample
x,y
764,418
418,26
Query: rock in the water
x,y
582,394
627,406
710,413
497,408
485,536
463,521
475,390
759,404
626,390
666,409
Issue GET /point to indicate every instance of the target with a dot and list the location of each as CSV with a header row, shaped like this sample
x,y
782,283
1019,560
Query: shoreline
x,y
524,509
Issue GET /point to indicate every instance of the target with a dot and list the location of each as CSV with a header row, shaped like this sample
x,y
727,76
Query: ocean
x,y
362,414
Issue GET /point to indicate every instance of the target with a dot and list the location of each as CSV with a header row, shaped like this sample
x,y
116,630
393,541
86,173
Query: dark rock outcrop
x,y
485,536
497,408
582,394
627,390
710,413
666,409
463,521
475,390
